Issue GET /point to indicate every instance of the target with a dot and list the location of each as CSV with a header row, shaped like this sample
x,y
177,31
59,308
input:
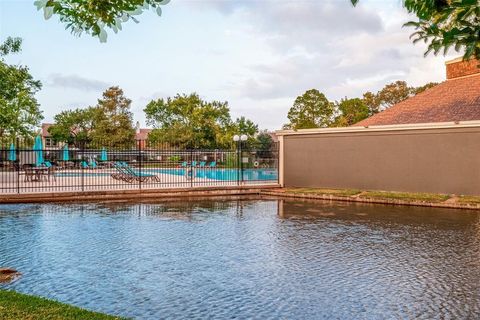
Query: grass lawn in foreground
x,y
15,306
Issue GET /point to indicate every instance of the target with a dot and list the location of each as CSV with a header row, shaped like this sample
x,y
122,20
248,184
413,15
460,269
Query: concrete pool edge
x,y
279,193
272,190
141,194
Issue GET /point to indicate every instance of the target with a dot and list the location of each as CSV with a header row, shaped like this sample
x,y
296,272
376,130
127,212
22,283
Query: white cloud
x,y
76,82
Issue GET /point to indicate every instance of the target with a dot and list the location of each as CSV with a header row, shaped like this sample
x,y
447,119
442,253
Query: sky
x,y
258,55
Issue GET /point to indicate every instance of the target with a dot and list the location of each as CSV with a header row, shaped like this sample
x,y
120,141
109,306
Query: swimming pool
x,y
207,173
226,174
247,259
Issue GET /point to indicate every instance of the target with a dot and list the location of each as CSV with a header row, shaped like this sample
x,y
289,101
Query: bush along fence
x,y
28,166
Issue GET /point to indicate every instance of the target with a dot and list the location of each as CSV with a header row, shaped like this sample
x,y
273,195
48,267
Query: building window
x,y
49,142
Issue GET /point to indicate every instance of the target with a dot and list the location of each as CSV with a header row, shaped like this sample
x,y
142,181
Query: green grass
x,y
15,306
330,192
406,196
473,200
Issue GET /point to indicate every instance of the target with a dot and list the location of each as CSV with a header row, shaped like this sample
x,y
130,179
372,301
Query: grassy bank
x,y
14,306
387,196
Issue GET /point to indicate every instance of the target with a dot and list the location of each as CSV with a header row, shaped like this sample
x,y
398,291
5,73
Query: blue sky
x,y
257,55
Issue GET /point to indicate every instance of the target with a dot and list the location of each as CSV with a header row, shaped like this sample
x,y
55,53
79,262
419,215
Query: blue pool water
x,y
247,259
227,174
215,174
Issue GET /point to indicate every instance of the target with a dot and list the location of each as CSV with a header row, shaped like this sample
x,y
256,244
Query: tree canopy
x,y
187,121
314,110
351,111
95,16
446,24
109,123
20,114
311,110
73,126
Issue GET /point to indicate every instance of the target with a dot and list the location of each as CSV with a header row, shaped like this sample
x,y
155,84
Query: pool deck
x,y
99,184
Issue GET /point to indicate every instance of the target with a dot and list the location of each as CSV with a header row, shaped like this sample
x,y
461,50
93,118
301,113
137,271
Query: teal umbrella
x,y
12,155
38,149
103,155
65,153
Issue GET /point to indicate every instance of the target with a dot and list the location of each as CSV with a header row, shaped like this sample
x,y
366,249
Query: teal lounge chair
x,y
126,173
202,164
184,164
194,163
212,164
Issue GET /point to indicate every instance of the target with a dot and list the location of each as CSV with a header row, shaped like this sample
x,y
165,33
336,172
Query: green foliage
x,y
351,112
241,126
113,120
174,158
231,160
443,24
187,121
108,123
20,114
264,141
311,110
391,94
73,126
94,16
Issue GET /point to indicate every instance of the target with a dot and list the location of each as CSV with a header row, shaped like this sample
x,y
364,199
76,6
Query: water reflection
x,y
247,258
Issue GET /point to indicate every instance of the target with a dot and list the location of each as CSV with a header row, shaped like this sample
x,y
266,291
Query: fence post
x,y
191,168
238,163
17,167
139,150
82,154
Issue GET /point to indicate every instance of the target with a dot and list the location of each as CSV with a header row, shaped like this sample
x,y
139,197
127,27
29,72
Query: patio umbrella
x,y
12,156
65,156
38,149
103,155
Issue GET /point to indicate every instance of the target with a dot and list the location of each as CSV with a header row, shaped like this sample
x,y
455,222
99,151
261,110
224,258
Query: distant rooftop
x,y
456,99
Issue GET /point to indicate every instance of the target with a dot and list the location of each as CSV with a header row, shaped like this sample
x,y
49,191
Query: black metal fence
x,y
28,168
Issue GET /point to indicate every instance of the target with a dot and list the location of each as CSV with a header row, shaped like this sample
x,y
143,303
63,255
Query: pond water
x,y
265,259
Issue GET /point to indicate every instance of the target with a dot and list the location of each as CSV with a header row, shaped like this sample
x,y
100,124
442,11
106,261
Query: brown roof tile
x,y
453,100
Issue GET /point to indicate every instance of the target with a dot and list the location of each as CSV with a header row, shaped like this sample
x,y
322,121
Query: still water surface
x,y
264,259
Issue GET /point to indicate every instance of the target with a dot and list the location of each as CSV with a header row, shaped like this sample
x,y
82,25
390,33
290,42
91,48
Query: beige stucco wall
x,y
440,160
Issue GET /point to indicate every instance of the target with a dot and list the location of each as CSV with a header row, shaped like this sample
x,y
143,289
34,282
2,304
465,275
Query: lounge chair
x,y
184,164
194,163
127,174
202,164
212,164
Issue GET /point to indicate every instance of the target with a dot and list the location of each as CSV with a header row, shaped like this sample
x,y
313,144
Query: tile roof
x,y
142,134
456,99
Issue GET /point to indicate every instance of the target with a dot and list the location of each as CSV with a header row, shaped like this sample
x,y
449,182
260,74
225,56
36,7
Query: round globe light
x,y
236,137
243,137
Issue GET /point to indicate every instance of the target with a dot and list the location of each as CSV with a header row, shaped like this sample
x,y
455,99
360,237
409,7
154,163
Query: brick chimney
x,y
458,68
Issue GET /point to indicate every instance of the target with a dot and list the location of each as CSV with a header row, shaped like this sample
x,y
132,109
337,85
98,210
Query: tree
x,y
187,121
311,110
351,111
20,114
391,94
93,16
241,126
74,126
264,141
420,89
113,120
444,24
